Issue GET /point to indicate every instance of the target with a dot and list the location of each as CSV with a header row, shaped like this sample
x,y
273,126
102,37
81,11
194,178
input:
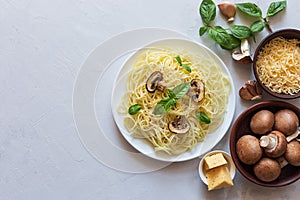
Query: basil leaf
x,y
164,106
203,30
257,26
219,35
178,60
171,103
181,89
203,118
240,32
249,9
276,7
233,43
224,39
207,11
132,110
171,94
187,68
159,109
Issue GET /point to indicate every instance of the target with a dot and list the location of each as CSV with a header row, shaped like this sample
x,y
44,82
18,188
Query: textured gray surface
x,y
43,45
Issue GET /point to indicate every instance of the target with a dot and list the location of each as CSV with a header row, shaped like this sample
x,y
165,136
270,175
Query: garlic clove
x,y
228,9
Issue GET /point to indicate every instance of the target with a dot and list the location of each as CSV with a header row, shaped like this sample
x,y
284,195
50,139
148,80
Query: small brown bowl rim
x,y
273,106
286,33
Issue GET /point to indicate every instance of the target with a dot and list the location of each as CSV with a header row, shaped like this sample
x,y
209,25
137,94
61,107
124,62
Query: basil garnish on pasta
x,y
167,103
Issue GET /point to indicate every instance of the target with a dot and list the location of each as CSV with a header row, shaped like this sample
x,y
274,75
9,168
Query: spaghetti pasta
x,y
154,128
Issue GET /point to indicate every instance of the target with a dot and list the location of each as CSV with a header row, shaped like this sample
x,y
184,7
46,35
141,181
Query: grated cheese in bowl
x,y
278,65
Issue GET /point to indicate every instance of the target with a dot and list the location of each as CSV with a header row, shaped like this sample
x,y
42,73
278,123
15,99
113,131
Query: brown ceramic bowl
x,y
289,173
288,34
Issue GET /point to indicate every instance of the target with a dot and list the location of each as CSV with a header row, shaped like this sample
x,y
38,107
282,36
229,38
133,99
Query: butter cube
x,y
218,177
214,160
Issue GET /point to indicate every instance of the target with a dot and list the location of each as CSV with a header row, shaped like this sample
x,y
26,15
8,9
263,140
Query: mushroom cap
x,y
286,121
292,154
267,169
262,122
248,149
180,125
197,90
280,146
153,80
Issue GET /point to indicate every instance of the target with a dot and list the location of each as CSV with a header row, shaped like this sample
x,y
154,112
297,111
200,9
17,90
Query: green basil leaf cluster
x,y
253,10
165,104
227,40
184,66
231,38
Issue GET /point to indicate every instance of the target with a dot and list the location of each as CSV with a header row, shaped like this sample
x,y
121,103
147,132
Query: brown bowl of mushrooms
x,y
265,143
276,63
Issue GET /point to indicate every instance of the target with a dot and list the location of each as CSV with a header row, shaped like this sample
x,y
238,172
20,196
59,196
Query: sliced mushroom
x,y
250,91
274,144
243,56
155,82
197,90
228,9
180,125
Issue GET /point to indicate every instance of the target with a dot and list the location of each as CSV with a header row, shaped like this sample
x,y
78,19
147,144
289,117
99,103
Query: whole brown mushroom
x,y
248,149
286,121
292,154
262,122
267,169
274,144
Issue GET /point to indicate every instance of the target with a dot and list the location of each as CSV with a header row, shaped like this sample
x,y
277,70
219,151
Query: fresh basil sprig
x,y
203,118
253,10
164,105
132,110
217,33
231,37
184,66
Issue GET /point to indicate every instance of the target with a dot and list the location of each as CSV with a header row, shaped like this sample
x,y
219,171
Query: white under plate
x,y
119,88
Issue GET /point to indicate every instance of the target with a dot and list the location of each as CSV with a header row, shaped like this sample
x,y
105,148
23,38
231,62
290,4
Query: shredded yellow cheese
x,y
278,65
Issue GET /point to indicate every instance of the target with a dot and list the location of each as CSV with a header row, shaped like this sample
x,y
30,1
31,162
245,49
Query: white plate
x,y
211,139
92,113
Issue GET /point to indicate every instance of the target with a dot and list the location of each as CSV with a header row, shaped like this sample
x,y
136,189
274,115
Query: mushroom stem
x,y
268,142
293,136
282,161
